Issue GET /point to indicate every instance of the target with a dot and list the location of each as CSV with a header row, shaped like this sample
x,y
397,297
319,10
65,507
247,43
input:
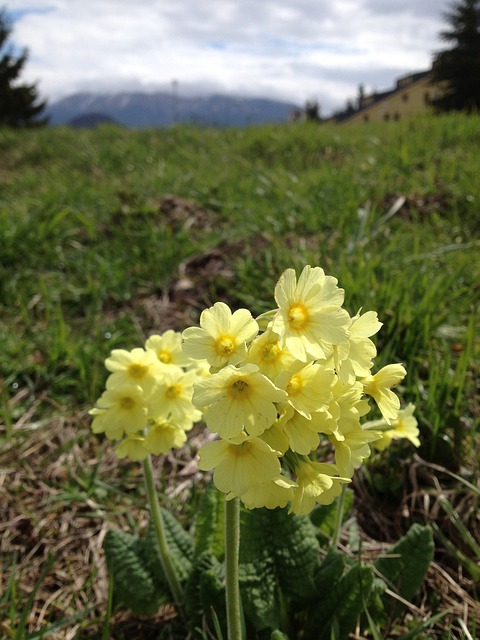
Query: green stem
x,y
232,547
167,566
339,517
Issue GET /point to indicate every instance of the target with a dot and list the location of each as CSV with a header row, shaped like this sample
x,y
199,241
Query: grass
x,y
109,235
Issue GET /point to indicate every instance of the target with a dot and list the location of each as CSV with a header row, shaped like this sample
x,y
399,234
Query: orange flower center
x,y
164,356
294,385
239,389
298,316
127,403
137,371
225,345
240,386
270,352
173,391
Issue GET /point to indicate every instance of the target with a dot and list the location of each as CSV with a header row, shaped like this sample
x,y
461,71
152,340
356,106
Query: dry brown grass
x,y
50,506
447,585
48,509
39,517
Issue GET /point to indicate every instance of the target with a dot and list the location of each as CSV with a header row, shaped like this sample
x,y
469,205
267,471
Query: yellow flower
x,y
308,387
119,410
362,349
173,396
378,387
201,367
301,433
310,318
239,466
275,435
345,410
237,400
168,348
278,492
164,436
318,483
355,357
132,448
137,367
221,337
405,426
352,448
267,354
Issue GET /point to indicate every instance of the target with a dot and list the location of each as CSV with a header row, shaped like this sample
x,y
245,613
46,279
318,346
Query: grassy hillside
x,y
109,235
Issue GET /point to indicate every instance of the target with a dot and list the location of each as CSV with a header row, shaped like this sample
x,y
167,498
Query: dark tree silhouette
x,y
458,67
19,103
312,111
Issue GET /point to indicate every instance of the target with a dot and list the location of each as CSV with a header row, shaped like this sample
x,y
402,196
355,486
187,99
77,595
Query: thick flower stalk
x,y
287,393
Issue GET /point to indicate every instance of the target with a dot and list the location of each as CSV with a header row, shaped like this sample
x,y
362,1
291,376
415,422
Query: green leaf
x,y
330,570
340,606
405,564
209,524
205,593
212,594
376,606
374,629
278,557
259,590
133,585
180,545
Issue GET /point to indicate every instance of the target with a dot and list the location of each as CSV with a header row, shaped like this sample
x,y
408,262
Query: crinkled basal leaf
x,y
180,545
405,564
133,586
209,524
212,592
177,538
330,570
278,556
205,591
341,605
259,589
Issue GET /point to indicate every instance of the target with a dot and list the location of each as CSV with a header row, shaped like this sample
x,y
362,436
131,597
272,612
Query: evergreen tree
x,y
458,68
312,111
19,104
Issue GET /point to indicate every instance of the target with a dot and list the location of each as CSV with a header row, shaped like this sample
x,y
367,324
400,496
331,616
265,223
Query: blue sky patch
x,y
17,14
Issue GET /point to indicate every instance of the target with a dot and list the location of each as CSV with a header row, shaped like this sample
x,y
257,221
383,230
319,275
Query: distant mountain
x,y
89,120
140,110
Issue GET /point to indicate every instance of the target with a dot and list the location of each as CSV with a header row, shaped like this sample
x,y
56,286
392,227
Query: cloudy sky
x,y
293,50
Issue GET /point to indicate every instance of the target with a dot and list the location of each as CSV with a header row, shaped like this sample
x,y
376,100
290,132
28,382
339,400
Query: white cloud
x,y
280,48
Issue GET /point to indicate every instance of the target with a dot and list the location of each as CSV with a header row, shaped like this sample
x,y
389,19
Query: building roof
x,y
366,102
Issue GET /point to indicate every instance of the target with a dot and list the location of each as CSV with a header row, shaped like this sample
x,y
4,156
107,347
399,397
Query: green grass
x,y
83,238
86,252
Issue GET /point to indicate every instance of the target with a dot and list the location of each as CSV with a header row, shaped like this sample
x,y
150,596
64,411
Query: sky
x,y
290,50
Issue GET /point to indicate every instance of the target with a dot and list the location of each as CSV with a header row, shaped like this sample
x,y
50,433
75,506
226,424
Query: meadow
x,y
110,235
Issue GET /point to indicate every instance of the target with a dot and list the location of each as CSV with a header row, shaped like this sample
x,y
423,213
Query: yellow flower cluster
x,y
283,386
147,403
286,394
